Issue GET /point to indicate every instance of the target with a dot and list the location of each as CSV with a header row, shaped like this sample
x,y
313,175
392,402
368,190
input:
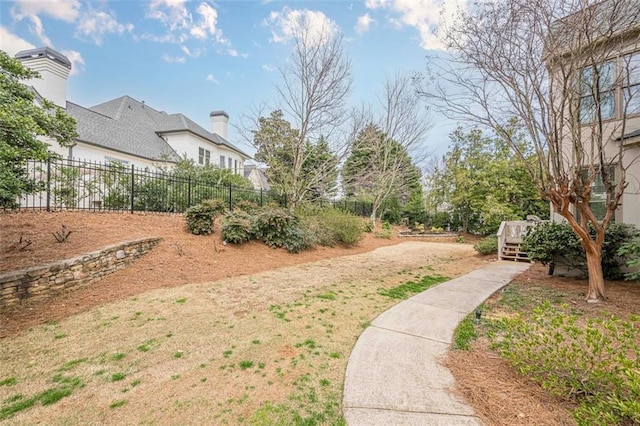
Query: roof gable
x,y
141,117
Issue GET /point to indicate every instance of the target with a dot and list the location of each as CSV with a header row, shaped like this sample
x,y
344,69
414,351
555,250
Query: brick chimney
x,y
220,123
54,68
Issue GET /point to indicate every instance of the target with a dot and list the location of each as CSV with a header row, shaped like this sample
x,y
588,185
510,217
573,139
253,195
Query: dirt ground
x,y
26,239
242,334
204,308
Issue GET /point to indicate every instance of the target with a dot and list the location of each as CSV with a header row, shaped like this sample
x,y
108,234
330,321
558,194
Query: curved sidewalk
x,y
393,376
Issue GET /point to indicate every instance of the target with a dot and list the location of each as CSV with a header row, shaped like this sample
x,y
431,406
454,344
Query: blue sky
x,y
193,57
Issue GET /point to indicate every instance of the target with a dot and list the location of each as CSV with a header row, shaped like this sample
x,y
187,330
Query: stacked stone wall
x,y
39,282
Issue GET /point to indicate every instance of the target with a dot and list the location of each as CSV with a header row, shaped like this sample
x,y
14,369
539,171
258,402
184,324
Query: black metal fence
x,y
86,185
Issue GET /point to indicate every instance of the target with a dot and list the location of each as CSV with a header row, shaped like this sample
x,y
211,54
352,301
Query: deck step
x,y
512,251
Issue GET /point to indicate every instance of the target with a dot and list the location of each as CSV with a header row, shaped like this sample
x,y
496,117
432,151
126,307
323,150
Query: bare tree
x,y
384,154
316,81
565,70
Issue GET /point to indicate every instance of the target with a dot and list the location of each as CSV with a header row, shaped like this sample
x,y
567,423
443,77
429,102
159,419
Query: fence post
x,y
261,202
49,184
189,191
230,205
132,182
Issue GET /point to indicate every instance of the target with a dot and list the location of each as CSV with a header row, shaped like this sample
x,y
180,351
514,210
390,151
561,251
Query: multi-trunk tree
x,y
315,84
381,163
378,169
278,146
567,71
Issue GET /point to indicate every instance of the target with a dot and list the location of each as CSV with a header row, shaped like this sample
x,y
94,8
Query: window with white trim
x,y
204,156
598,201
222,161
631,88
597,81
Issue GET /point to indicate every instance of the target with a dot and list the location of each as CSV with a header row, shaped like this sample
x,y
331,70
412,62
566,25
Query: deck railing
x,y
514,231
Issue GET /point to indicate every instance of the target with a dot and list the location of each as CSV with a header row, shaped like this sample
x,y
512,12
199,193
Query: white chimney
x,y
219,123
54,68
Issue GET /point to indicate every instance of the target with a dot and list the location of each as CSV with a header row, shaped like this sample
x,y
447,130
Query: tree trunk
x,y
374,212
594,269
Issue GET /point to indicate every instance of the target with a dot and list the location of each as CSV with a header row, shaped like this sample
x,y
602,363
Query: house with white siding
x,y
129,131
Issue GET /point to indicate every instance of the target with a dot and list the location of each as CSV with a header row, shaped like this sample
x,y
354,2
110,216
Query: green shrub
x,y
278,228
200,217
333,226
594,363
368,226
487,245
237,227
246,206
386,232
631,253
555,243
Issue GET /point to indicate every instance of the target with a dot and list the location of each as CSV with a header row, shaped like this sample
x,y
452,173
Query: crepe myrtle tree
x,y
26,123
564,70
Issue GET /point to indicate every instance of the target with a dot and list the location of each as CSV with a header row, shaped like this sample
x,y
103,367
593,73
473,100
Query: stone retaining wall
x,y
42,281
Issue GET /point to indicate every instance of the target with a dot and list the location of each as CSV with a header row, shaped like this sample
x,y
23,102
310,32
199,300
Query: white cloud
x,y
77,61
424,15
293,23
192,53
363,23
172,13
269,68
37,29
182,23
11,43
212,79
96,23
174,59
65,10
235,54
207,24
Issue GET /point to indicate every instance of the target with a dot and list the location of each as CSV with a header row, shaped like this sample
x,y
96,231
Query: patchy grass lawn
x,y
263,349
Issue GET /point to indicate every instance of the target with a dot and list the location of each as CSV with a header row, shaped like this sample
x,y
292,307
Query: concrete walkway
x,y
393,376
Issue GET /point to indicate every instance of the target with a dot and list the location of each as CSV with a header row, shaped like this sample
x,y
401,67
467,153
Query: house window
x,y
109,160
631,89
598,201
204,156
230,163
222,162
597,81
235,166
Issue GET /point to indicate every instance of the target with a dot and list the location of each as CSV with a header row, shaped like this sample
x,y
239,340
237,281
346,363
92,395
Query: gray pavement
x,y
393,376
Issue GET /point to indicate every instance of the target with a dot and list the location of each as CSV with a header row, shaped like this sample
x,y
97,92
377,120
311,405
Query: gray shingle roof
x,y
121,135
127,125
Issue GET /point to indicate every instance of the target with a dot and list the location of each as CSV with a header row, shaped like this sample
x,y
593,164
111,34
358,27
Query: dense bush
x,y
596,364
278,228
200,217
246,206
556,243
237,227
631,253
331,226
487,245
